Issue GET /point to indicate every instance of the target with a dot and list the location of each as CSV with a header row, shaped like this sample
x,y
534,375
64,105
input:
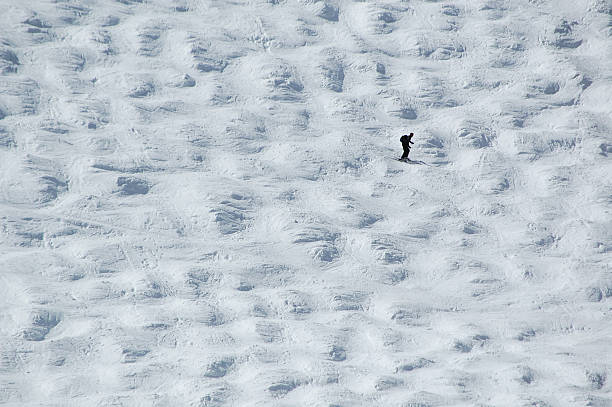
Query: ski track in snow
x,y
198,206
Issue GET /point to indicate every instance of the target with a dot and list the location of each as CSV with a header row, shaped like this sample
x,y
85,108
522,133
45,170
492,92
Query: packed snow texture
x,y
200,203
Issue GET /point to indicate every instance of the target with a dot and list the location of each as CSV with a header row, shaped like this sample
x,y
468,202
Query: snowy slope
x,y
200,205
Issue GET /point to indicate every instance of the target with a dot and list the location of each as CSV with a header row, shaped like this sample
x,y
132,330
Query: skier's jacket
x,y
406,141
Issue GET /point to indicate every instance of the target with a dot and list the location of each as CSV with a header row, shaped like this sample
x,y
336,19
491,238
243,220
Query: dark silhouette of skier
x,y
406,141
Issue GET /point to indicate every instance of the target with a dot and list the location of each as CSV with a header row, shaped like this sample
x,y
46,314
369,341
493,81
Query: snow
x,y
200,203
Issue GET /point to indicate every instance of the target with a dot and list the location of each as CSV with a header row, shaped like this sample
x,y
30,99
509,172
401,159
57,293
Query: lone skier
x,y
406,141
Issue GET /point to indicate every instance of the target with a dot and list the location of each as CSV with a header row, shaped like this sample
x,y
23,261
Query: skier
x,y
406,141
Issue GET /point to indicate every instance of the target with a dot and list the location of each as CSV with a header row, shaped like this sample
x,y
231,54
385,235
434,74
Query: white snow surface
x,y
200,203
